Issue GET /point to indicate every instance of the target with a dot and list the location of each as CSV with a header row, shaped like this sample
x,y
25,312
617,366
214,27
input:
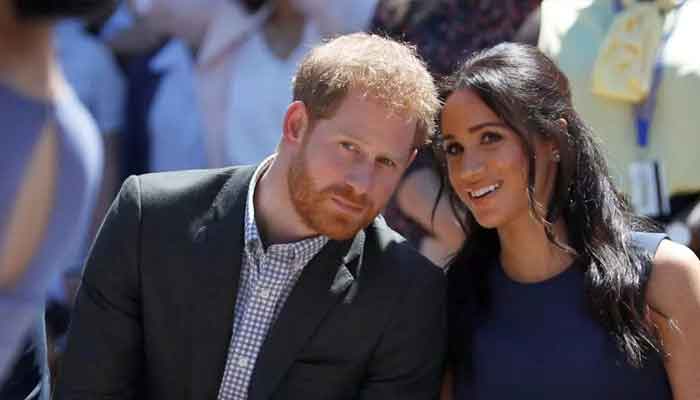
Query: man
x,y
275,281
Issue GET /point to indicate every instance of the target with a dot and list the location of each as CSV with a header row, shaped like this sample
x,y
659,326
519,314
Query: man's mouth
x,y
347,204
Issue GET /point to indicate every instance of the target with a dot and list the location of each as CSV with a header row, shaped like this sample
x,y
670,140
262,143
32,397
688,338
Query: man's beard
x,y
315,205
53,9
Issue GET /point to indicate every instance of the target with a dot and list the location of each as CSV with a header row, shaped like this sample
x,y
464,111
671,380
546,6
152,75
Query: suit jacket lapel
x,y
215,277
323,284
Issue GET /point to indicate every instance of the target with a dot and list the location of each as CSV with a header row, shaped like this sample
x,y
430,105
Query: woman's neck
x,y
527,255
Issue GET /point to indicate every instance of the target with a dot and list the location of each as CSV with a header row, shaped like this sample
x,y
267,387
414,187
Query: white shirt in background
x,y
174,121
261,90
219,61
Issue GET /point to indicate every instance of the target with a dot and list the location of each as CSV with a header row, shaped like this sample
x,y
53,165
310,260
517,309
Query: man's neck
x,y
275,215
27,60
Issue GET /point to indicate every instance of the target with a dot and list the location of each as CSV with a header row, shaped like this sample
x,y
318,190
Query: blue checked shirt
x,y
267,278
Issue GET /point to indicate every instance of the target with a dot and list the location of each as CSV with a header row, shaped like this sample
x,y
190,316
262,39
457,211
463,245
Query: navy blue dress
x,y
538,341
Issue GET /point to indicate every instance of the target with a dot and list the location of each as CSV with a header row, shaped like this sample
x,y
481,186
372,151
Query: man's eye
x,y
386,162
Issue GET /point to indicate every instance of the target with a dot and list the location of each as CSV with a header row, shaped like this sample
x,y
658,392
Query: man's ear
x,y
296,123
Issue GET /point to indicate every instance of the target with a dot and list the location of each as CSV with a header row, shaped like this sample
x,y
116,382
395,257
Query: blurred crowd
x,y
156,85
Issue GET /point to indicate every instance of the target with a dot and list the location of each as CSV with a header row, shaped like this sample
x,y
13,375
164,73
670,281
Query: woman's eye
x,y
452,149
491,137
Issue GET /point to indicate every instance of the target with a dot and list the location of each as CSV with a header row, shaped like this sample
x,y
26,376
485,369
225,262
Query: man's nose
x,y
361,177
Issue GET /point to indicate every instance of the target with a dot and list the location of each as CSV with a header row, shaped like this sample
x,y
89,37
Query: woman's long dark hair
x,y
530,94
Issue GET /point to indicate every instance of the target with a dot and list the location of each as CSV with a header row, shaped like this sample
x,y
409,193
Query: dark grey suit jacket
x,y
154,313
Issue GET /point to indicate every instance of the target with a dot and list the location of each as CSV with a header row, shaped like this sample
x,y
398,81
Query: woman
x,y
554,295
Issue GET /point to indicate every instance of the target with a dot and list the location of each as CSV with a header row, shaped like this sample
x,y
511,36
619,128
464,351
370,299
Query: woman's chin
x,y
488,221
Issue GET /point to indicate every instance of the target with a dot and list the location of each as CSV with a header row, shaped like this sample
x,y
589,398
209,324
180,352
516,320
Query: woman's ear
x,y
563,125
554,146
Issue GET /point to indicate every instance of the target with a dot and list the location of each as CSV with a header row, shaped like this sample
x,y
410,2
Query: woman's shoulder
x,y
674,283
673,293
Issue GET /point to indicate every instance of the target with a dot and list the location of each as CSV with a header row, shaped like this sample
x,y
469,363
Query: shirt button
x,y
242,362
264,293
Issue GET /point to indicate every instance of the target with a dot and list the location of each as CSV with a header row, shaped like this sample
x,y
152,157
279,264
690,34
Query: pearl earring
x,y
556,157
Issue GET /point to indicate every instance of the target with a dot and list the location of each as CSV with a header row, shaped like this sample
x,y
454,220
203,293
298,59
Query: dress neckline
x,y
565,274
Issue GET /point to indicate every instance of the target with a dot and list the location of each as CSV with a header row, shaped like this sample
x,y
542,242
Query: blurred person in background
x,y
229,64
91,70
165,125
444,32
52,163
447,31
635,77
127,35
246,64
